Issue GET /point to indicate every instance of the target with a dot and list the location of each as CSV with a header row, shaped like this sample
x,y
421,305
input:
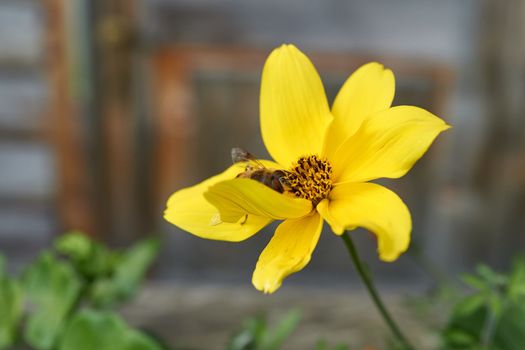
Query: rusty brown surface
x,y
113,46
63,132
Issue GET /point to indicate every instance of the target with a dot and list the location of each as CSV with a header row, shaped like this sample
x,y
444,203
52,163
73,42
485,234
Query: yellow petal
x,y
386,145
289,251
373,207
294,109
189,210
368,90
237,197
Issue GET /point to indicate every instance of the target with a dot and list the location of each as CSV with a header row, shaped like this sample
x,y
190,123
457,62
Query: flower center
x,y
309,178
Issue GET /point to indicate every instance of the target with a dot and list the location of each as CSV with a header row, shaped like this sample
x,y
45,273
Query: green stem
x,y
365,277
491,322
489,327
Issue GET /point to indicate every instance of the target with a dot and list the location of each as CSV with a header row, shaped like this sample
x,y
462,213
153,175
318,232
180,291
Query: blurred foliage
x,y
257,335
492,317
51,287
10,306
63,301
90,258
114,275
323,345
128,269
68,292
102,330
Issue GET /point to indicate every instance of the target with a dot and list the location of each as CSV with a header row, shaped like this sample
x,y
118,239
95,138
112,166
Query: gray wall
x,y
27,218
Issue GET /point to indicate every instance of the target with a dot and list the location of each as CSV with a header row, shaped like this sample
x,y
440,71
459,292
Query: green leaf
x,y
274,340
510,331
323,345
74,245
492,277
468,330
493,318
471,304
516,287
475,282
52,287
465,326
89,330
460,339
129,271
91,259
255,334
11,307
250,335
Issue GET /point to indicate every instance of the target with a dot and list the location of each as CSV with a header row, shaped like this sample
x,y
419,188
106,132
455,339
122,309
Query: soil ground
x,y
204,317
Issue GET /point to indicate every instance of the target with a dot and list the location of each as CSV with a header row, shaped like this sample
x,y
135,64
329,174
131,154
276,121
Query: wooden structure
x,y
74,191
148,96
182,119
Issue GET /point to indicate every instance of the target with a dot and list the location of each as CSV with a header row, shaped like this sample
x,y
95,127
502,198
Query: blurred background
x,y
108,106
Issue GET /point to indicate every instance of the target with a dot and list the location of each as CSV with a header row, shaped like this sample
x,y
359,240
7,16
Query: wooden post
x,y
114,39
74,202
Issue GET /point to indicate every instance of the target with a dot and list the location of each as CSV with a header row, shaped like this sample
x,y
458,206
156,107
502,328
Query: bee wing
x,y
239,155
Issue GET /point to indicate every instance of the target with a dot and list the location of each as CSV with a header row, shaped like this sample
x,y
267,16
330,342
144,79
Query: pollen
x,y
310,178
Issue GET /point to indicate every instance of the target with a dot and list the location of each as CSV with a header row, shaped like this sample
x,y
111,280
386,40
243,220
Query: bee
x,y
255,170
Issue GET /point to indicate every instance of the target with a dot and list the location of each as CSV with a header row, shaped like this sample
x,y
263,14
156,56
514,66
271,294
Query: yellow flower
x,y
328,155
